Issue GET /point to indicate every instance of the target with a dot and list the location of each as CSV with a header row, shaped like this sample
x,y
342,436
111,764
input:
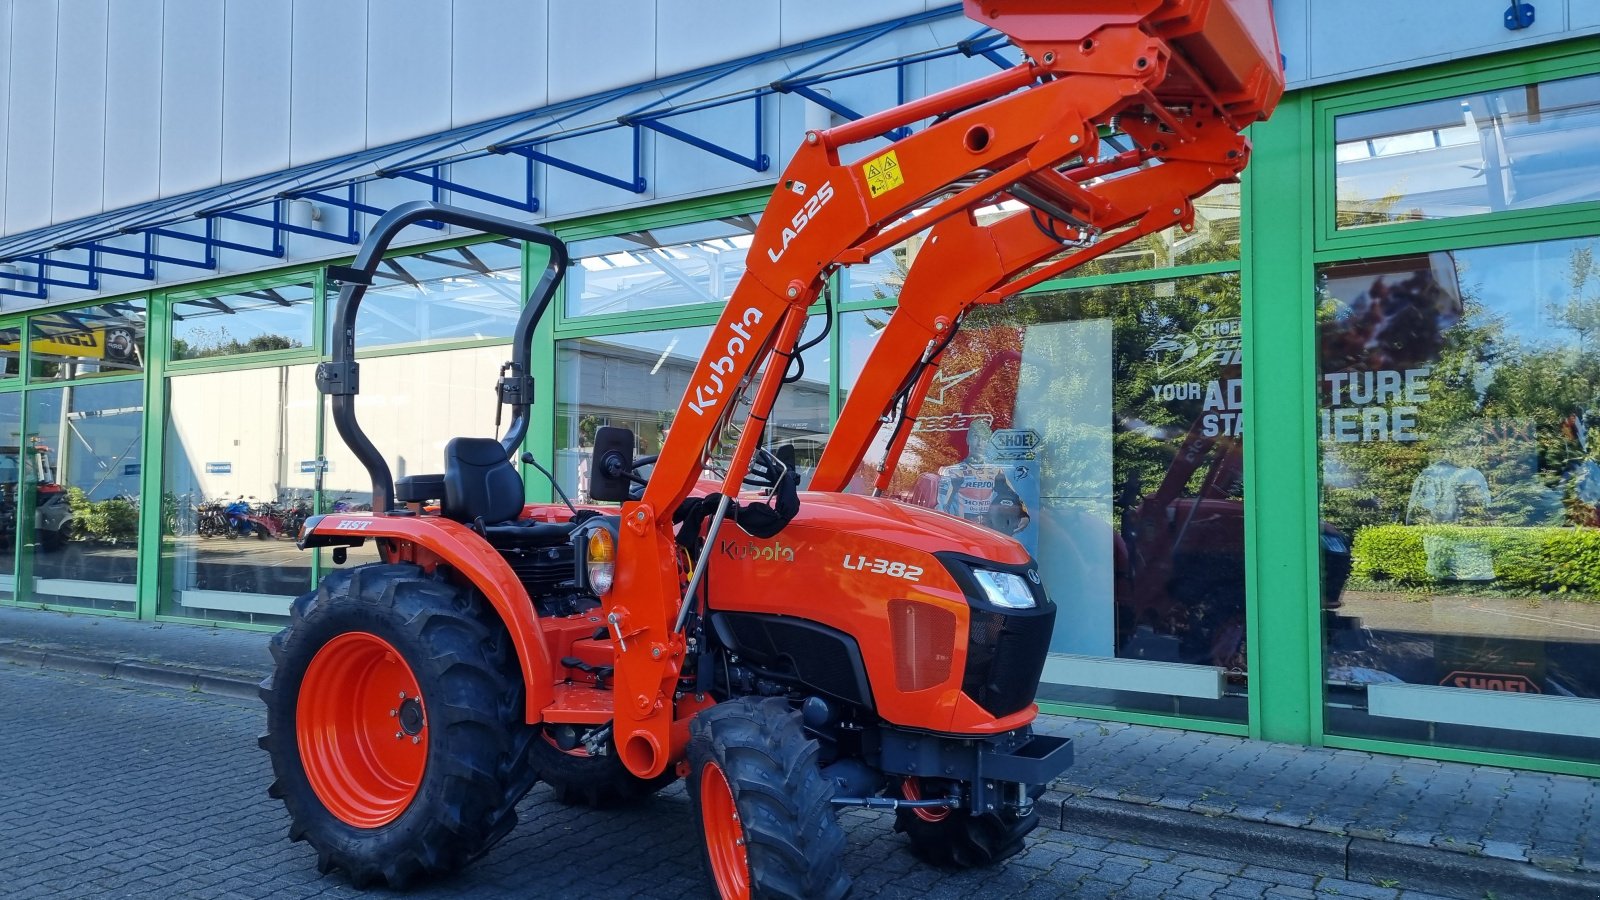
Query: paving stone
x,y
191,819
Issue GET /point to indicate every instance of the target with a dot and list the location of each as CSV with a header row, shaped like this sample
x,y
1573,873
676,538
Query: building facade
x,y
1322,470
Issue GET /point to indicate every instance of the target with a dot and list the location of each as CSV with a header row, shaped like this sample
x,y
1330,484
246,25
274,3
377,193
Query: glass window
x,y
237,485
13,459
253,321
80,495
1101,428
1511,148
460,294
1460,399
10,351
94,340
636,381
658,268
411,406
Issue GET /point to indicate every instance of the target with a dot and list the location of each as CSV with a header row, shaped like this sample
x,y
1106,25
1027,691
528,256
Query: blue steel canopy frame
x,y
262,202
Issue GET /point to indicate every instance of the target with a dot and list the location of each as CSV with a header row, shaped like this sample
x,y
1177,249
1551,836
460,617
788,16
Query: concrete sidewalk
x,y
1392,822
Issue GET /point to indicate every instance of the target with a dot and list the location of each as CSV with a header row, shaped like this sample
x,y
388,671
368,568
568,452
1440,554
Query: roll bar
x,y
340,378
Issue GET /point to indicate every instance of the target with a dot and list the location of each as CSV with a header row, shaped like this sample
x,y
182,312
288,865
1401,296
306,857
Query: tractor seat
x,y
483,489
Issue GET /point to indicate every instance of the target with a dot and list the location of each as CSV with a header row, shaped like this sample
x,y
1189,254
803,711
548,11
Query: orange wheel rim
x,y
911,789
362,728
724,834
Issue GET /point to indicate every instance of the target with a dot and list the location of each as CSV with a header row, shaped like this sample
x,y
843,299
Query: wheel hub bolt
x,y
411,717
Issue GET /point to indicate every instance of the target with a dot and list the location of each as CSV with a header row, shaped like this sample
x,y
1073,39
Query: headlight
x,y
1004,589
1334,543
601,561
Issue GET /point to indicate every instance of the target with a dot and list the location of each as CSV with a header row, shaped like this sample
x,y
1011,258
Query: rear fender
x,y
460,548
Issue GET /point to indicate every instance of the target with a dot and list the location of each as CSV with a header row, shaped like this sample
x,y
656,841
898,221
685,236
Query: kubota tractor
x,y
788,652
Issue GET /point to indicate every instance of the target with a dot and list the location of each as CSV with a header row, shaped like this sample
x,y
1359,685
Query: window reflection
x,y
14,458
658,268
1100,427
636,381
1215,238
79,487
1512,148
410,406
457,294
93,340
10,351
269,318
237,485
1459,392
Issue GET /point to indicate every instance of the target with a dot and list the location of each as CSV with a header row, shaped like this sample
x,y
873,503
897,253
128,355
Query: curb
x,y
1301,850
179,677
1310,852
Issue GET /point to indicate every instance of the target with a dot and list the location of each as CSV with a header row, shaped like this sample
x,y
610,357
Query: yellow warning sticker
x,y
883,174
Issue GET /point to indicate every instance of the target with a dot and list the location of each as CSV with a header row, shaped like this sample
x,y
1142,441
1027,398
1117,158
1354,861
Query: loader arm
x,y
1177,71
964,264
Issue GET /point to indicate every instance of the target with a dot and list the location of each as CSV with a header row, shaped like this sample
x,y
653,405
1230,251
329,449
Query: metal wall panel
x,y
408,69
133,103
1583,14
328,83
30,143
1354,38
191,96
499,50
600,44
742,29
80,99
255,88
802,20
8,81
1294,38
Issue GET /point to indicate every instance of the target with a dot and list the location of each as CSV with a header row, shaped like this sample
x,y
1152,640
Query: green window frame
x,y
1292,231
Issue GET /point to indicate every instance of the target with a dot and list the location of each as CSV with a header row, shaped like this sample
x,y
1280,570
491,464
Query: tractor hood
x,y
907,525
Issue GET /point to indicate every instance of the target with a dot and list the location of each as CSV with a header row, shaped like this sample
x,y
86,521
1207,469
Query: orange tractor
x,y
788,652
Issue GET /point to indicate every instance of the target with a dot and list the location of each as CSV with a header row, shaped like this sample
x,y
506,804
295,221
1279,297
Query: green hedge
x,y
1565,560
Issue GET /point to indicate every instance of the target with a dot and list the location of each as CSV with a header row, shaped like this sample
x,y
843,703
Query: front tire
x,y
956,838
394,722
766,813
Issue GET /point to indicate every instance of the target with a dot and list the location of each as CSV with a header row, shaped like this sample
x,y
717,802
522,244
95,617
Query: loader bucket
x,y
1223,52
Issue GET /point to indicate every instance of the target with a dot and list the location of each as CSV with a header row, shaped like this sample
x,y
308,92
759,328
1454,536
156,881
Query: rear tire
x,y
765,811
389,809
958,839
599,782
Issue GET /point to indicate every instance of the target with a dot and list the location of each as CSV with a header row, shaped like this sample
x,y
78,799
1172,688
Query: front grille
x,y
1005,657
812,654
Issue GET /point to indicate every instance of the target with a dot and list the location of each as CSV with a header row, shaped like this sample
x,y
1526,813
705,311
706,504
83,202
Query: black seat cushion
x,y
480,482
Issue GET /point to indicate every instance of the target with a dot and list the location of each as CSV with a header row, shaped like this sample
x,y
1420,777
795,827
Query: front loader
x,y
787,652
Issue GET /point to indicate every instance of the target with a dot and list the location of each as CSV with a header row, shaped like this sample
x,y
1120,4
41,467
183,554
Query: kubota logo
x,y
706,397
814,205
775,552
